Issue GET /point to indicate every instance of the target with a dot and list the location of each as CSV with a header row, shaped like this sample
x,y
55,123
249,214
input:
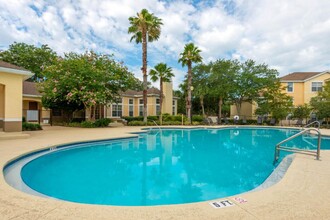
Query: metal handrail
x,y
278,146
314,122
157,125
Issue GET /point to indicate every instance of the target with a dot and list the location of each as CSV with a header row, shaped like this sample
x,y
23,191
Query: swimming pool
x,y
157,168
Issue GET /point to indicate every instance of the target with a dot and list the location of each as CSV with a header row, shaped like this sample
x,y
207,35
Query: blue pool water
x,y
168,167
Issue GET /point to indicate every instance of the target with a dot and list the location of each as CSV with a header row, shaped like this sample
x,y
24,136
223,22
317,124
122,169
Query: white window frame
x,y
117,104
129,106
316,82
141,105
288,87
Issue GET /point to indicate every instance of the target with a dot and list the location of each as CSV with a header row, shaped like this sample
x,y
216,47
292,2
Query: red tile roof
x,y
300,76
10,66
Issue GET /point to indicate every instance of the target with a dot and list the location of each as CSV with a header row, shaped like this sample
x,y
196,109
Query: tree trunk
x,y
94,111
220,109
189,104
202,105
161,101
144,72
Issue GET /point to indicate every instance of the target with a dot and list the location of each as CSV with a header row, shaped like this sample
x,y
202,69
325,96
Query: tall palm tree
x,y
163,73
190,54
145,27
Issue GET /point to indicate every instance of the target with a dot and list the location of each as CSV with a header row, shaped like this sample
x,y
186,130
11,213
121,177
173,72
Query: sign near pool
x,y
221,204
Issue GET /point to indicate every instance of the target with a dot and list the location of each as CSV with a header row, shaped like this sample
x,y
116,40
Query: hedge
x,y
31,127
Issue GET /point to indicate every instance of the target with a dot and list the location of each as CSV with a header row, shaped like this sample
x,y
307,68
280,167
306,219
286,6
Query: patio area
x,y
303,193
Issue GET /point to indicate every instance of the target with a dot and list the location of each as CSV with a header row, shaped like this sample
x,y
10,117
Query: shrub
x,y
172,123
87,124
197,118
153,118
30,126
74,124
136,123
103,122
129,118
196,123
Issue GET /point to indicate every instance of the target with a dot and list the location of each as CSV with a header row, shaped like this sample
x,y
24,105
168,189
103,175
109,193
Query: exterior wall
x,y
2,105
151,105
12,109
298,94
302,91
168,98
247,110
308,94
44,114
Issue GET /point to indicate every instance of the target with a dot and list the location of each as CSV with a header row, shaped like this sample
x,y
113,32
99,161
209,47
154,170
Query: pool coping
x,y
267,203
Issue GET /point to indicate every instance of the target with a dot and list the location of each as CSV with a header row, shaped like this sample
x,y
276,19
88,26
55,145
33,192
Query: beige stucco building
x,y
130,103
302,86
11,99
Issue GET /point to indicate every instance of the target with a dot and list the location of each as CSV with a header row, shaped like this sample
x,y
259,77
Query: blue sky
x,y
287,35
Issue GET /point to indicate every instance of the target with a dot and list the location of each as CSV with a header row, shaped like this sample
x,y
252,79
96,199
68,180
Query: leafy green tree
x,y
163,73
221,78
274,102
181,101
302,111
30,57
190,55
84,79
321,103
249,81
145,27
200,84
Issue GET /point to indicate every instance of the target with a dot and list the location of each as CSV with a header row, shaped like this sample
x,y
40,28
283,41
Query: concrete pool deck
x,y
303,193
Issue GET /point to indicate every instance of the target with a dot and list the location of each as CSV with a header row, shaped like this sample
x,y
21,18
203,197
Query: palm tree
x,y
191,54
163,73
145,27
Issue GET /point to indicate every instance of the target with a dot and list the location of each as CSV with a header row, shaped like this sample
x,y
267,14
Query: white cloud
x,y
287,35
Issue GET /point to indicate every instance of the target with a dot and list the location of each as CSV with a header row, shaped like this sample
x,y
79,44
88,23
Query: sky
x,y
288,35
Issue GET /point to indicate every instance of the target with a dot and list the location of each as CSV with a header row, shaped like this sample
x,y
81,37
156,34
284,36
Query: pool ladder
x,y
278,146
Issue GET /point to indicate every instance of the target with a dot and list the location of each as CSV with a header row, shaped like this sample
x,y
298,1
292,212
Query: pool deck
x,y
303,193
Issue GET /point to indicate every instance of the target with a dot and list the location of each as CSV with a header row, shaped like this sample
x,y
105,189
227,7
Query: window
x,y
117,108
157,106
317,86
289,88
174,108
140,107
131,107
141,110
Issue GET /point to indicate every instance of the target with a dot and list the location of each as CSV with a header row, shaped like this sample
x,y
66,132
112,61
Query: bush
x,y
87,124
31,127
172,123
197,118
136,123
74,124
152,118
103,122
129,118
